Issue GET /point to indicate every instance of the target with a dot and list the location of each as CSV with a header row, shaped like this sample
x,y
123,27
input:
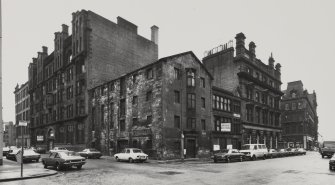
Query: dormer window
x,y
190,77
293,94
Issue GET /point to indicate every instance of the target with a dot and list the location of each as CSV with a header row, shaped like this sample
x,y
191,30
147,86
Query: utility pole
x,y
1,122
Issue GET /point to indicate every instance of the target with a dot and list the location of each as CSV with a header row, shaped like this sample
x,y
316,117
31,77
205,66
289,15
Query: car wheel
x,y
228,160
45,165
131,160
264,157
58,167
253,158
37,160
241,159
79,167
117,159
322,156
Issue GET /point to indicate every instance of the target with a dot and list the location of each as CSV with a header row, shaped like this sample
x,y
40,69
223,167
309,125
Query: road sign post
x,y
21,124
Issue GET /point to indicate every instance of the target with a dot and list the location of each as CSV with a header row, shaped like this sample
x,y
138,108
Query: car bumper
x,y
71,164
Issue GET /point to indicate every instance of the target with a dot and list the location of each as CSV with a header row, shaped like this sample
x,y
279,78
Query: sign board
x,y
216,147
229,146
39,138
225,127
18,156
237,115
23,123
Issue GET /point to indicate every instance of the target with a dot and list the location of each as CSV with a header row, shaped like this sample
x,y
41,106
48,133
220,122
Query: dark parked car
x,y
274,153
228,155
90,153
28,155
332,163
40,150
63,159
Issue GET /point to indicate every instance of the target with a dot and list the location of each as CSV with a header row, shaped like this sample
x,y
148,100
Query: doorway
x,y
190,148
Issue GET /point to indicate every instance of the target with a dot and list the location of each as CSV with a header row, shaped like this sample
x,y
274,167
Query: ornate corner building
x,y
299,117
256,84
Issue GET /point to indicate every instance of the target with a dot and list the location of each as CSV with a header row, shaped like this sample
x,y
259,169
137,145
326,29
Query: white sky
x,y
300,33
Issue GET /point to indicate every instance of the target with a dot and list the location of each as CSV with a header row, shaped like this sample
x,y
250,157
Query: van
x,y
254,151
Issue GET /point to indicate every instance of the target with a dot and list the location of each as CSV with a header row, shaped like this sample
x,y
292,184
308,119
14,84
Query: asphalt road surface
x,y
307,169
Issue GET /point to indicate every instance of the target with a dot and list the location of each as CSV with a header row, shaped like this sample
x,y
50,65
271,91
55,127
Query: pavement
x,y
11,171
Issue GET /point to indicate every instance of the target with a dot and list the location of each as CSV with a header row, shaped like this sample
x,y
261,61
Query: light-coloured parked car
x,y
131,155
59,149
301,151
273,153
90,153
254,151
63,159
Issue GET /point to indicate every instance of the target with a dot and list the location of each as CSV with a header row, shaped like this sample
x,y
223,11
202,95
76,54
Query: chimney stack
x,y
240,43
252,50
65,29
278,66
45,49
154,34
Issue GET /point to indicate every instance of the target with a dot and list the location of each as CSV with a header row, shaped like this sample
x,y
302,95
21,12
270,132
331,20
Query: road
x,y
306,169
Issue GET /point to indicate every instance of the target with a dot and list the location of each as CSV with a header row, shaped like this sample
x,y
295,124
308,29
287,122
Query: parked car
x,y
292,151
273,153
5,151
40,150
12,155
28,155
332,163
301,151
131,155
228,155
90,153
63,159
254,151
284,152
327,149
59,149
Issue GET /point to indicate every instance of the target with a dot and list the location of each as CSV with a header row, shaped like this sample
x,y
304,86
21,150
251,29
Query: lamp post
x,y
22,124
1,122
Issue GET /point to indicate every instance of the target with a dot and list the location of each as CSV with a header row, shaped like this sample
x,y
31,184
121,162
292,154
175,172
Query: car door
x,y
127,154
50,160
122,154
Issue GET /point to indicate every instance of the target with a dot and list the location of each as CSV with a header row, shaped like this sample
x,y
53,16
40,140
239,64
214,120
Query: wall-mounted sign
x,y
237,115
40,138
225,127
216,147
23,123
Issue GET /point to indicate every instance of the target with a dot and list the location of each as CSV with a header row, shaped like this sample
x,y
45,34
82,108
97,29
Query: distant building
x,y
9,134
158,108
299,118
257,84
22,113
97,51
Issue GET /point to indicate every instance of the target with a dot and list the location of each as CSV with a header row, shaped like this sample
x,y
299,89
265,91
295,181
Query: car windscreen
x,y
93,150
29,152
329,144
246,147
65,154
137,151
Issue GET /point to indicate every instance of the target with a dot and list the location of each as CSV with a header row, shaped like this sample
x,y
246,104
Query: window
x,y
176,96
249,93
69,92
177,122
257,96
249,113
203,124
122,86
191,123
265,117
190,101
122,125
294,106
176,73
149,73
111,124
287,106
149,120
203,102
257,75
258,115
299,105
202,82
135,121
190,78
149,96
134,78
236,106
135,100
122,107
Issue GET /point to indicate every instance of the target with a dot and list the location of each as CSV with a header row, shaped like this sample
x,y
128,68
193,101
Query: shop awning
x,y
261,128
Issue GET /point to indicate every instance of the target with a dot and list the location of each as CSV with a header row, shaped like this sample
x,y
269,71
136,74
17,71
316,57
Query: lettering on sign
x,y
40,138
225,127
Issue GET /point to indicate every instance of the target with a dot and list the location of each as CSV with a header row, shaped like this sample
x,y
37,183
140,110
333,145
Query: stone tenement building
x,y
299,117
257,84
22,107
161,108
226,118
98,50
